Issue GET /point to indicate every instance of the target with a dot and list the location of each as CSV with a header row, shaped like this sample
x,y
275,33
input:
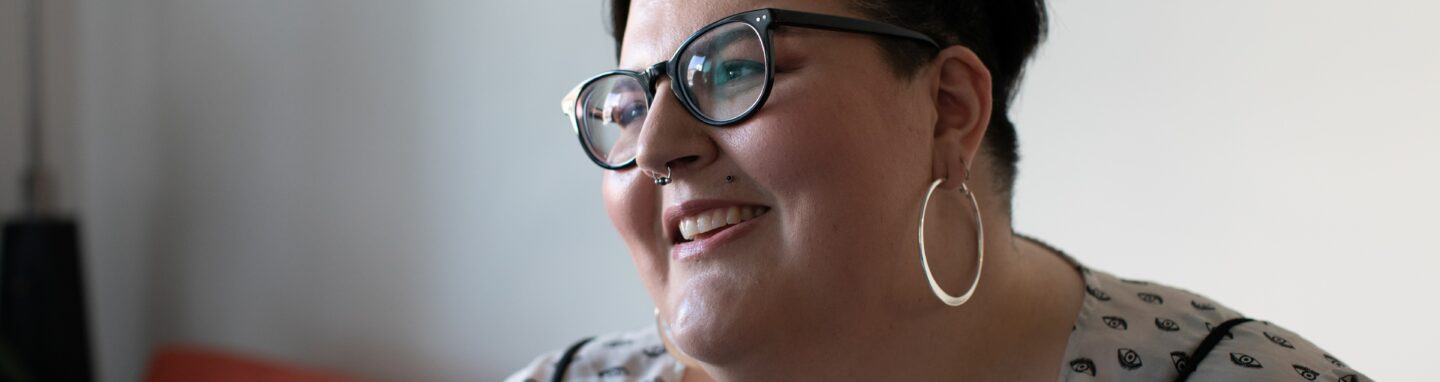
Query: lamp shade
x,y
42,300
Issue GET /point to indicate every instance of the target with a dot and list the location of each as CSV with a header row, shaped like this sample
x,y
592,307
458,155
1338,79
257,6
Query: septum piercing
x,y
663,180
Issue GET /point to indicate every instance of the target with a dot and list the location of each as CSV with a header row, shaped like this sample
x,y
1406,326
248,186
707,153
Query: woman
x,y
774,168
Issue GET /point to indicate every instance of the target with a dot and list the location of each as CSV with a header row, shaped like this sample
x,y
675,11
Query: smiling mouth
x,y
705,224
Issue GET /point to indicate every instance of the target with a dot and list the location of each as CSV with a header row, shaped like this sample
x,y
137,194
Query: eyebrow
x,y
785,20
731,36
714,39
788,30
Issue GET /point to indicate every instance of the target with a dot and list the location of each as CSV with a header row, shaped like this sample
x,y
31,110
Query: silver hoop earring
x,y
664,329
662,180
979,250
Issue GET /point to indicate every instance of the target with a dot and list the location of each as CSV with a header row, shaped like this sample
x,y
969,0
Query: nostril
x,y
675,166
681,161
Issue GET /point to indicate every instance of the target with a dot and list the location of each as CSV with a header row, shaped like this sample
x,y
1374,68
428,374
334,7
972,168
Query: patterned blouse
x,y
1127,330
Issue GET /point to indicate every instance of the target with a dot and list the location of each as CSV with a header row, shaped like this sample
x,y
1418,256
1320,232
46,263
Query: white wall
x,y
336,184
1275,155
388,189
118,137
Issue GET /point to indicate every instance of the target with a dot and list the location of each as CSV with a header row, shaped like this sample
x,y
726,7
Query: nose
x,y
672,141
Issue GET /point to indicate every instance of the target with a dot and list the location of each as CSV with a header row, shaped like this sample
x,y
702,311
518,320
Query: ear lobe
x,y
963,101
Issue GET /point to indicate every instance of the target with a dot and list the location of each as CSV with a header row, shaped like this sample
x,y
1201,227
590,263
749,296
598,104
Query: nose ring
x,y
662,180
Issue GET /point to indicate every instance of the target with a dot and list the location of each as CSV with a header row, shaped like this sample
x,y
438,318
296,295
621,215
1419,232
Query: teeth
x,y
713,219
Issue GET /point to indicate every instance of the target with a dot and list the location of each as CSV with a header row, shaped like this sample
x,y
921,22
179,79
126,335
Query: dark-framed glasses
x,y
722,74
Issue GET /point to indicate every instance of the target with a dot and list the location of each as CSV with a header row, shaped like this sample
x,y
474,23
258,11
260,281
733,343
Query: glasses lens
x,y
723,71
610,112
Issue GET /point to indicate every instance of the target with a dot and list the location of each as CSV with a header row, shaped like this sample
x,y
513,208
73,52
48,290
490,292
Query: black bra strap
x,y
1207,345
565,360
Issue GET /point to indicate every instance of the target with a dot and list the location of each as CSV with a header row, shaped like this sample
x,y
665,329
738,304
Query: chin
x,y
718,325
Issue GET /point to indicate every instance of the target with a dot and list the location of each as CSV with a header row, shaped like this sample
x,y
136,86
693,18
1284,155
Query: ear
x,y
961,92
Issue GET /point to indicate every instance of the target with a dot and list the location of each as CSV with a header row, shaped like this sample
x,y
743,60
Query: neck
x,y
1014,328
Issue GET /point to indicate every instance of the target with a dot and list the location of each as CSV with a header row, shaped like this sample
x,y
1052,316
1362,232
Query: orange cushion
x,y
193,364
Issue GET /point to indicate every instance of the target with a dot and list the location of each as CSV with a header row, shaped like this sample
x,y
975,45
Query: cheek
x,y
832,162
807,142
632,201
844,114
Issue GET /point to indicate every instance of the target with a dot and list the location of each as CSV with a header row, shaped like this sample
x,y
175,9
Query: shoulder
x,y
1119,310
1259,350
636,355
1140,330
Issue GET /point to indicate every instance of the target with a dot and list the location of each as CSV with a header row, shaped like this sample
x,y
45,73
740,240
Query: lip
x,y
690,249
698,247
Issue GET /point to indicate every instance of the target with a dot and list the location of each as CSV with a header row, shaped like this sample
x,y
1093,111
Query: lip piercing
x,y
663,180
729,179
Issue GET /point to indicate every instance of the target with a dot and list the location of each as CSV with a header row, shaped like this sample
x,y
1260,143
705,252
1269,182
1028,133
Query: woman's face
x,y
837,160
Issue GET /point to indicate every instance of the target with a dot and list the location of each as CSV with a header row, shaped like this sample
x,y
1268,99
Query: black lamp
x,y
44,333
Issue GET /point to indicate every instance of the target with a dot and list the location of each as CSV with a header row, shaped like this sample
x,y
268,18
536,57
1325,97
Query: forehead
x,y
655,28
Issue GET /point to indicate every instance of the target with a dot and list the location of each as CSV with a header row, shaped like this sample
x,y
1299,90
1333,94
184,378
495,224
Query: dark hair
x,y
1003,33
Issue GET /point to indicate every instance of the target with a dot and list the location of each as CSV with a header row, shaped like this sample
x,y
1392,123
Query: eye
x,y
1099,294
1228,334
1129,359
1181,360
738,69
617,371
1306,373
1278,340
1116,322
629,113
1333,360
1166,324
1245,360
1083,366
653,351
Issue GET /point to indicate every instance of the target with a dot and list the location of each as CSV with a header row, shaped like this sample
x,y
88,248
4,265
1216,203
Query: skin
x,y
827,284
